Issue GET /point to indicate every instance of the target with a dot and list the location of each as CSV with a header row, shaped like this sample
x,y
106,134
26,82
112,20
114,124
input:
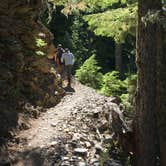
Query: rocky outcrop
x,y
26,74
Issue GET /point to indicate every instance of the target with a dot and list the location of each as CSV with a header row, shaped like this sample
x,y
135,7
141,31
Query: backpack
x,y
60,51
59,54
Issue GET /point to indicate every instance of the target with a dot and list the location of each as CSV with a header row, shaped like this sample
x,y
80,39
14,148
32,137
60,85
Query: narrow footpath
x,y
73,133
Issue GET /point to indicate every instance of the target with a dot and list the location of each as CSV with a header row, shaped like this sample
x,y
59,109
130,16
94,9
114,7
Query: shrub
x,y
127,99
89,74
112,85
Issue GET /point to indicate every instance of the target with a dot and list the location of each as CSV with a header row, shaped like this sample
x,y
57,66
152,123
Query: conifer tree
x,y
151,94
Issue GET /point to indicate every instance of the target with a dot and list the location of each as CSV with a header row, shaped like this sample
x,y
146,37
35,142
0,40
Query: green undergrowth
x,y
112,152
89,74
109,83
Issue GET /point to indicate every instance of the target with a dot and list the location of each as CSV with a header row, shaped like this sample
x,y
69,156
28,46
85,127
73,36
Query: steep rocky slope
x,y
26,74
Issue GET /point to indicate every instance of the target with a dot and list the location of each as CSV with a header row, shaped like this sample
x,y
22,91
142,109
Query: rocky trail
x,y
73,133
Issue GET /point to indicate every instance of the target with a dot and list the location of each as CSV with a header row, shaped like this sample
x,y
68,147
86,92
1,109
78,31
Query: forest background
x,y
102,36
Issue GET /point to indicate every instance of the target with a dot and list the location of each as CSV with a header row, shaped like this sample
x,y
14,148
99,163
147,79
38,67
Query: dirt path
x,y
50,124
69,134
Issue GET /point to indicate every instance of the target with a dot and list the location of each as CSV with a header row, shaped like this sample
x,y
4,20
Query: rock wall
x,y
26,74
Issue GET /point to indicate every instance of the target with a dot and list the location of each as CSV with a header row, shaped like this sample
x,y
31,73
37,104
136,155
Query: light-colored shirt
x,y
67,58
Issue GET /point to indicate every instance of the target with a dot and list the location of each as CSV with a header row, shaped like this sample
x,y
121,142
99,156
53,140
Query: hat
x,y
59,45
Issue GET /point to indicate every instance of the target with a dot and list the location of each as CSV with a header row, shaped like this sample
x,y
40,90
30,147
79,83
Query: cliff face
x,y
26,74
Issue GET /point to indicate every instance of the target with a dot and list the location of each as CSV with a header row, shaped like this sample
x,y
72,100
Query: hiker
x,y
58,57
68,59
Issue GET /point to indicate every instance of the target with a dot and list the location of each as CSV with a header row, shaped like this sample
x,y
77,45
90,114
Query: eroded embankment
x,y
25,75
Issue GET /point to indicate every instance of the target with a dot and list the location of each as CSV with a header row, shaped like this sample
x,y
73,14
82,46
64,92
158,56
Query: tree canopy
x,y
116,23
110,18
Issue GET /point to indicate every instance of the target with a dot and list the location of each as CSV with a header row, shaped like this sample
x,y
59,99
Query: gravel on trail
x,y
73,133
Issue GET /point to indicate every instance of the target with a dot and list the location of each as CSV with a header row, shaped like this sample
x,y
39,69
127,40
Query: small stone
x,y
73,144
98,148
83,137
74,158
88,144
76,137
96,164
113,163
108,138
53,124
81,151
82,143
94,160
96,115
97,156
82,164
80,158
66,130
65,158
103,126
25,126
53,143
65,163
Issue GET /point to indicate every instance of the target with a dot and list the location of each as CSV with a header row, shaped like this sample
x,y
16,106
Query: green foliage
x,y
73,7
80,41
112,149
40,53
88,5
89,74
108,84
58,2
127,98
103,3
116,23
40,42
112,85
105,155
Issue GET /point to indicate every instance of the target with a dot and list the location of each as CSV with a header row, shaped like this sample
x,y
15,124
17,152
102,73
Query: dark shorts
x,y
68,70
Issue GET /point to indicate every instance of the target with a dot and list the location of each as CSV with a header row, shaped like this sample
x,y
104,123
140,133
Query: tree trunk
x,y
146,105
118,59
161,90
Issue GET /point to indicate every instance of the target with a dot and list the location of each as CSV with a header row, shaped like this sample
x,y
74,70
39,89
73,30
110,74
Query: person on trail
x,y
68,60
58,57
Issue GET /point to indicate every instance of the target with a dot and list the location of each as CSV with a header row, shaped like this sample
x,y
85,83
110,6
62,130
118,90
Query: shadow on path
x,y
69,89
41,156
